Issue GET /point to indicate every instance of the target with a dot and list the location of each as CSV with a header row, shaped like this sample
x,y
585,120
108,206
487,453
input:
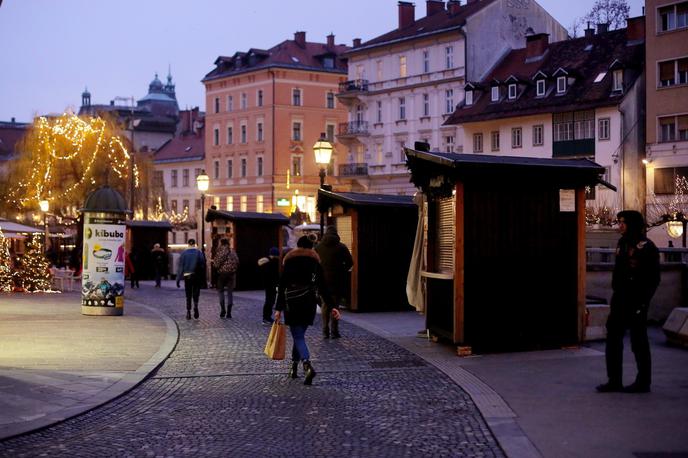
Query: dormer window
x,y
328,62
540,88
495,94
469,98
561,84
617,84
512,91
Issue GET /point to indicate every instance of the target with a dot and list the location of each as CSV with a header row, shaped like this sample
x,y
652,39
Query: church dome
x,y
155,85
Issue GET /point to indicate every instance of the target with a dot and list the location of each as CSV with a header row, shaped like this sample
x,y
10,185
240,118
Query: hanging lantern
x,y
674,228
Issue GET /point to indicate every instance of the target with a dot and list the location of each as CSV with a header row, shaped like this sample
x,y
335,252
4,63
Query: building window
x,y
328,62
185,205
540,87
173,206
259,166
296,131
673,72
665,179
379,111
402,154
216,136
216,170
296,165
244,167
449,101
230,203
449,143
494,96
230,135
673,128
216,201
577,125
378,153
402,108
244,135
561,84
449,57
296,97
259,203
426,61
516,137
603,128
538,135
469,98
329,131
426,104
259,131
230,103
259,98
185,178
672,17
217,104
243,203
330,100
379,70
197,204
617,84
478,143
244,101
230,168
494,137
512,91
402,67
174,178
196,173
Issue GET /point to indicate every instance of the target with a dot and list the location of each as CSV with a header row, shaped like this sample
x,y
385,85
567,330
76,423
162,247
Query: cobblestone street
x,y
218,395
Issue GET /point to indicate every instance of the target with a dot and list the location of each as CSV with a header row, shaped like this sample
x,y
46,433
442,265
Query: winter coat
x,y
336,261
636,274
226,261
269,269
301,269
159,258
192,261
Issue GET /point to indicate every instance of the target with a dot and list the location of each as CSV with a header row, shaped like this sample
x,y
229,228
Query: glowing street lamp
x,y
323,154
45,207
203,183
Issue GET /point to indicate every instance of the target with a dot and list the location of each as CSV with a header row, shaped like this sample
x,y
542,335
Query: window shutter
x,y
446,235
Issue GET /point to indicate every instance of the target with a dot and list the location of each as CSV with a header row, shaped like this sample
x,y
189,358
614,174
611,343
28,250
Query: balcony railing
x,y
358,85
352,128
353,170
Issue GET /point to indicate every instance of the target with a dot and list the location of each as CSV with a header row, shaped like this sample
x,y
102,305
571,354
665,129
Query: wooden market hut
x,y
143,234
251,235
505,267
379,231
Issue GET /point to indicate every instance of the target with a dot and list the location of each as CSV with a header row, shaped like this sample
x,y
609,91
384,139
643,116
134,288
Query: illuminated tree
x,y
34,272
6,276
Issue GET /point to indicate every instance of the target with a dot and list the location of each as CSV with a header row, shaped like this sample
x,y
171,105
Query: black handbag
x,y
298,296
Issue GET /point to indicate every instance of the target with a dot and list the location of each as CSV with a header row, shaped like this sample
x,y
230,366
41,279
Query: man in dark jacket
x,y
634,282
336,262
191,267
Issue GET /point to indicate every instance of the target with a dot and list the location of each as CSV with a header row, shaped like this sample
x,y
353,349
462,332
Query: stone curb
x,y
128,382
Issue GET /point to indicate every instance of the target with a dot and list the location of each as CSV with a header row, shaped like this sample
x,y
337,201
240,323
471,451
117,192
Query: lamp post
x,y
202,182
323,154
45,206
132,125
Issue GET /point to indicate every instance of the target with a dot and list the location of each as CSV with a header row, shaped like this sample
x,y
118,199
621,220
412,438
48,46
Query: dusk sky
x,y
51,50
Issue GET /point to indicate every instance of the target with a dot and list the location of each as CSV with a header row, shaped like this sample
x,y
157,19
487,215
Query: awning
x,y
14,230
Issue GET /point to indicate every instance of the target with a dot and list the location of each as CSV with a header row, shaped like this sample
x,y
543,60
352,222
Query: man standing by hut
x,y
336,261
634,282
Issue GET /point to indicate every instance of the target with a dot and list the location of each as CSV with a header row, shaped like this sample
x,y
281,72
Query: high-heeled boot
x,y
309,373
222,310
293,372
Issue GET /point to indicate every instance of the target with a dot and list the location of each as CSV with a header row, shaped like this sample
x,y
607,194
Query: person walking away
x,y
227,263
130,269
336,261
159,262
190,267
634,282
301,281
269,269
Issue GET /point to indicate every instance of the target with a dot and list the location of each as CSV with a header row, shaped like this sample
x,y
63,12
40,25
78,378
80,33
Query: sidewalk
x,y
56,363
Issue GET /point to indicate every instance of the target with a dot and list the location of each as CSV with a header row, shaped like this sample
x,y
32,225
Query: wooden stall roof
x,y
255,217
327,199
425,166
150,224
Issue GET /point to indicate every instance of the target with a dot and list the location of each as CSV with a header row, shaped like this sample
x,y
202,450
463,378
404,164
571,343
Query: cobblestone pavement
x,y
218,395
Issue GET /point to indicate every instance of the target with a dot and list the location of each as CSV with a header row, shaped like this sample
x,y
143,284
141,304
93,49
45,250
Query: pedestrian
x,y
336,261
634,282
227,263
190,267
269,269
301,282
159,263
130,269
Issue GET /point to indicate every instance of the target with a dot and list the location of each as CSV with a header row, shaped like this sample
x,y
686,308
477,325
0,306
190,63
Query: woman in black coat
x,y
297,295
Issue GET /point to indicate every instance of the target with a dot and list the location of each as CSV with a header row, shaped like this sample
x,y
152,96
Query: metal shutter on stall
x,y
345,231
446,235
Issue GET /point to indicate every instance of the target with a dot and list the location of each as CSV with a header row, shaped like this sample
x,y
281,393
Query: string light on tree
x,y
6,276
34,273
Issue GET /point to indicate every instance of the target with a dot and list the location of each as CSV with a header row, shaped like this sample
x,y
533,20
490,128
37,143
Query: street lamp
x,y
202,183
45,206
323,154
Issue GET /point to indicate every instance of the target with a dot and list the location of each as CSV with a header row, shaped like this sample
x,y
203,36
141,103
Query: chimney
x,y
635,28
13,121
589,32
536,45
407,14
357,42
330,40
300,39
602,27
433,6
454,6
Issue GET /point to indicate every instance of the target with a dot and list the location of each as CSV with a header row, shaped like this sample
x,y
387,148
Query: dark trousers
x,y
193,291
134,277
329,324
158,275
618,322
226,282
270,296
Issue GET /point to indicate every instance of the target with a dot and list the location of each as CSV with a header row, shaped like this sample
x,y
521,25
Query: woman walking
x,y
297,295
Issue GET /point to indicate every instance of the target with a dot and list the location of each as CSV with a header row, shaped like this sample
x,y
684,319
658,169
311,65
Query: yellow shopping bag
x,y
277,341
